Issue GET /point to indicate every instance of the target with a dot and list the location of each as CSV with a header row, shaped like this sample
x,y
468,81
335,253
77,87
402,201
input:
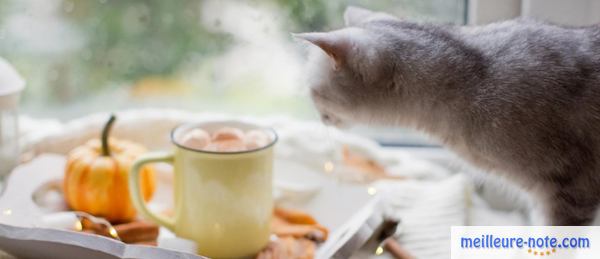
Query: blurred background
x,y
237,57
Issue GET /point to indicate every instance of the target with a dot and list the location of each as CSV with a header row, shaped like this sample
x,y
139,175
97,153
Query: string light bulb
x,y
371,190
78,225
113,232
328,167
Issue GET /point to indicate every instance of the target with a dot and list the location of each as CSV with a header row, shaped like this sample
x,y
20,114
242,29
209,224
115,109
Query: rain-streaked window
x,y
234,57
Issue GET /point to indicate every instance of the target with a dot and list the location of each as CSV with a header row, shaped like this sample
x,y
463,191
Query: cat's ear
x,y
335,44
354,16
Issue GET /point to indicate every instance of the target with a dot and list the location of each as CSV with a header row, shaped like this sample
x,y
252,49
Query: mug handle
x,y
134,187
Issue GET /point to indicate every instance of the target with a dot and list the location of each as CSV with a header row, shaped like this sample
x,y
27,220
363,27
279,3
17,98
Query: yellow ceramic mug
x,y
223,201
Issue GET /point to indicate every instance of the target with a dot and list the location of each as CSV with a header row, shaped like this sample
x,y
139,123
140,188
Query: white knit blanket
x,y
433,199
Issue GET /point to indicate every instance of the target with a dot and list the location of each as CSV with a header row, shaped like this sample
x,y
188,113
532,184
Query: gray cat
x,y
520,98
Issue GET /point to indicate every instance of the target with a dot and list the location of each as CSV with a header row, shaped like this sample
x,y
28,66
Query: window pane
x,y
227,56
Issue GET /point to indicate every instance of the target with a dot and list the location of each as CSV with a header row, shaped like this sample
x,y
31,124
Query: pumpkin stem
x,y
105,133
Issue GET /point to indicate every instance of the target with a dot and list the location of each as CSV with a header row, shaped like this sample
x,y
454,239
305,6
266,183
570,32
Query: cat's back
x,y
537,60
555,67
522,41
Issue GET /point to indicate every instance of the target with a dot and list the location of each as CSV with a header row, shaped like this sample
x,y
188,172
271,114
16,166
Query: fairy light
x,y
371,191
328,167
113,232
78,225
379,250
7,212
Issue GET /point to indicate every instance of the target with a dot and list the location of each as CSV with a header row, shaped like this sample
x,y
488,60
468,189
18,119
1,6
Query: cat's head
x,y
350,70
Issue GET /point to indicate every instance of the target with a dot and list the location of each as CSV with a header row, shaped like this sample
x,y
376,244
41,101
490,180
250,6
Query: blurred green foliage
x,y
121,42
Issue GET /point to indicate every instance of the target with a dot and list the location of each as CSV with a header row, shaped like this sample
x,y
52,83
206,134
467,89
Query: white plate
x,y
331,202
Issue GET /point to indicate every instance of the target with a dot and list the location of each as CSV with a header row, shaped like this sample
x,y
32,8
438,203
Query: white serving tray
x,y
23,232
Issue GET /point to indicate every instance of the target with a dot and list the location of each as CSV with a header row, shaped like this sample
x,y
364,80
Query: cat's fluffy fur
x,y
519,98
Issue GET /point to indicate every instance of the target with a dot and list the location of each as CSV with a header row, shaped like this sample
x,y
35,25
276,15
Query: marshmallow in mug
x,y
228,133
196,139
256,138
226,139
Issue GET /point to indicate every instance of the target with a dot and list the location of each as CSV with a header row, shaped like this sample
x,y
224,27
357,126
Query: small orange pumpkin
x,y
96,177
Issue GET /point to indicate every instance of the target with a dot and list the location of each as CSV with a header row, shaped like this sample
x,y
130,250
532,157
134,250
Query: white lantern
x,y
11,85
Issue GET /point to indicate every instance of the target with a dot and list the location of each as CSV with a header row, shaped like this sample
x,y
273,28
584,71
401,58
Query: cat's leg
x,y
563,212
571,203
